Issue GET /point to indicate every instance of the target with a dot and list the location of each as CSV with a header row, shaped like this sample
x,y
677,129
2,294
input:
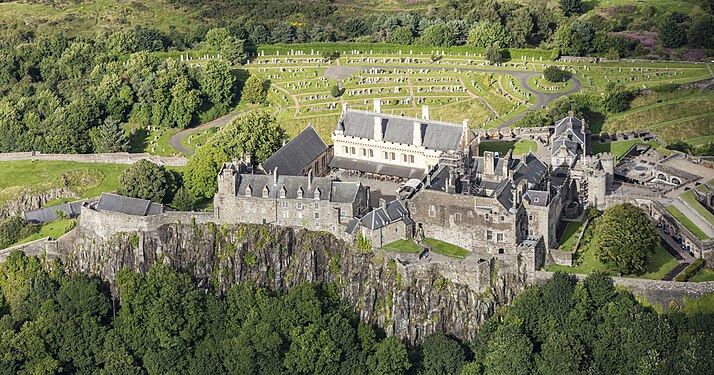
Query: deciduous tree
x,y
625,238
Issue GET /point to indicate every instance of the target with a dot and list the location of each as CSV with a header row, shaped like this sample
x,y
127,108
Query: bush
x,y
12,230
145,180
335,91
553,74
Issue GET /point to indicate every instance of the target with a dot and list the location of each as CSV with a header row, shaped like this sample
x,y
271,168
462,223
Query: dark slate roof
x,y
129,206
47,214
399,129
536,197
351,225
531,168
504,195
439,178
570,125
333,191
571,146
367,166
382,216
297,154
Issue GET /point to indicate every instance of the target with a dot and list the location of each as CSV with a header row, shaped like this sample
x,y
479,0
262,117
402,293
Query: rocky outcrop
x,y
29,201
409,305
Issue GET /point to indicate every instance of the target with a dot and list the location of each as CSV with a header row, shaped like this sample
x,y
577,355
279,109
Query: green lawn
x,y
54,229
691,199
567,241
619,148
86,179
660,263
687,223
403,246
444,248
520,147
704,274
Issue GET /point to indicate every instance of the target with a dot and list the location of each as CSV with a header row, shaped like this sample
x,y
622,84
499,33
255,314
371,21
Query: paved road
x,y
543,99
175,140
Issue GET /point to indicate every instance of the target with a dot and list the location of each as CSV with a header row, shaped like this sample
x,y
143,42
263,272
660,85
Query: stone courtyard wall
x,y
562,258
106,224
112,158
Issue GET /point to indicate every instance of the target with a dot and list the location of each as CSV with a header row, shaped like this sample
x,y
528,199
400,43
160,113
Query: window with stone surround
x,y
317,194
317,206
282,192
457,216
363,151
432,211
266,192
298,205
283,204
353,151
286,214
489,235
299,194
371,153
317,215
385,155
411,159
499,237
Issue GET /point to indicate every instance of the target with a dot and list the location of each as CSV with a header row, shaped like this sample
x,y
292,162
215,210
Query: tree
x,y
486,34
510,351
216,37
390,357
233,50
701,32
493,54
255,132
625,238
520,25
561,354
335,91
442,355
183,200
672,33
617,98
11,231
570,7
254,90
553,74
109,137
439,35
575,39
402,35
144,180
217,83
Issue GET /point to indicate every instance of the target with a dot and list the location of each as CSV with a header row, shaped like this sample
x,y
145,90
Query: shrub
x,y
553,74
691,270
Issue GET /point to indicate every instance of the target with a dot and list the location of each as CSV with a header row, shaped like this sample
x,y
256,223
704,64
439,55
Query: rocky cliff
x,y
28,201
278,258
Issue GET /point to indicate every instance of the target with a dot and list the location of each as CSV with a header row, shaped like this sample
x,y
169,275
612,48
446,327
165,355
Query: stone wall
x,y
653,291
562,258
105,224
112,158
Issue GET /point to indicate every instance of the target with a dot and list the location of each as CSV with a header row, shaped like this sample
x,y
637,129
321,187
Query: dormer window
x,y
248,191
283,192
317,194
299,193
266,192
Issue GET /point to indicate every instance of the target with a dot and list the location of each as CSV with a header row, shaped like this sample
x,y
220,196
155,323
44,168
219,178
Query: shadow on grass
x,y
139,140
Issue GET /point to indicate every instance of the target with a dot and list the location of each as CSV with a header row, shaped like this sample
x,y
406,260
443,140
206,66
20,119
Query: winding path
x,y
175,140
543,99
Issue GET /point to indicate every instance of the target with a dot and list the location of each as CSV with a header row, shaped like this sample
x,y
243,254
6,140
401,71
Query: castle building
x,y
315,203
377,143
569,142
307,152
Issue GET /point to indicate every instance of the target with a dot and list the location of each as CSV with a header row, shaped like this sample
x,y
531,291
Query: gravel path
x,y
175,140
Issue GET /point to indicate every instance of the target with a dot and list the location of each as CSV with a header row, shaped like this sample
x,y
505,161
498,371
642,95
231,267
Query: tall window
x,y
489,235
371,153
353,151
393,156
432,211
363,152
499,237
299,193
411,159
282,192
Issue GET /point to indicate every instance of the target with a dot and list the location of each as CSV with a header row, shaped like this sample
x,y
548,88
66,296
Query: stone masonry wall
x,y
113,158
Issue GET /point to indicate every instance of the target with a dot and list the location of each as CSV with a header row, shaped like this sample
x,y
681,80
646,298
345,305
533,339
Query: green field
x,y
567,241
619,148
403,246
520,147
660,264
25,177
445,248
54,229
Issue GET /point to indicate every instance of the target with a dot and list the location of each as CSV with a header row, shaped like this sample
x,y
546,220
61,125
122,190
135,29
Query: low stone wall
x,y
653,291
562,258
112,158
33,248
106,224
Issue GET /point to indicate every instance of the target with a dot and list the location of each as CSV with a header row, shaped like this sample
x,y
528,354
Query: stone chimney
x,y
309,181
382,202
275,176
248,158
378,131
507,158
417,135
378,105
344,107
488,163
425,112
465,134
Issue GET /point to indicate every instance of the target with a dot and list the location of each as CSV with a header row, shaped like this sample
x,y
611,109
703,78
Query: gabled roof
x,y
436,135
368,166
382,216
530,168
127,205
297,154
536,197
46,214
329,190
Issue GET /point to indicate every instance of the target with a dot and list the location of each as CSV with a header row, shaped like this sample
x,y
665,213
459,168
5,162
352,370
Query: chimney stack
x,y
344,107
465,134
309,181
378,134
275,176
488,163
378,105
417,137
425,112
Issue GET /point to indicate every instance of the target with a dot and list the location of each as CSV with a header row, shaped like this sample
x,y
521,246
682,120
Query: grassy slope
x,y
445,248
519,147
402,246
87,17
619,148
687,223
660,263
570,235
705,274
690,198
54,229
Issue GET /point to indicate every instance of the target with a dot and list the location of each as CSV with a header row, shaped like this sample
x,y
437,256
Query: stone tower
x,y
597,189
607,161
227,180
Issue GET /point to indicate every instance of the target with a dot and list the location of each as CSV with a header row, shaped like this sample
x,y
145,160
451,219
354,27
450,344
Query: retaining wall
x,y
112,158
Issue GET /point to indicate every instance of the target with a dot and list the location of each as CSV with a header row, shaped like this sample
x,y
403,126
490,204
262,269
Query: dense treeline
x,y
69,96
617,32
51,322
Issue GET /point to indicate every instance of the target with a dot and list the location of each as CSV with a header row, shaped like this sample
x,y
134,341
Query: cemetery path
x,y
484,102
500,85
175,140
292,96
543,99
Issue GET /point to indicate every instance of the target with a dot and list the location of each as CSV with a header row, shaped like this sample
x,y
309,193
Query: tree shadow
x,y
139,140
596,120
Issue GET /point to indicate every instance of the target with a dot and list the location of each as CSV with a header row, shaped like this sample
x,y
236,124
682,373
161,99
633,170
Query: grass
x,y
25,177
661,262
445,248
53,229
674,211
690,198
403,246
567,241
704,274
155,142
700,305
619,148
520,147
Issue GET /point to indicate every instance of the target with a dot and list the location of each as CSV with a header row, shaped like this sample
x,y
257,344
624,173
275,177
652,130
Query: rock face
x,y
29,202
409,307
